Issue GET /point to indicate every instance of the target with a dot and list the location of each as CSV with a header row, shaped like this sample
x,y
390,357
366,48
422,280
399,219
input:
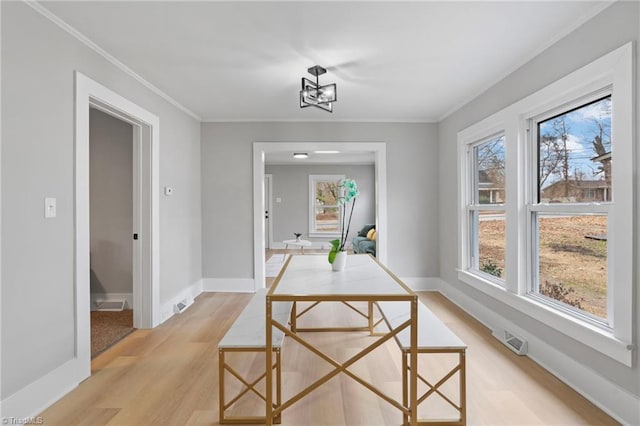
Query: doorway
x,y
111,258
145,195
261,148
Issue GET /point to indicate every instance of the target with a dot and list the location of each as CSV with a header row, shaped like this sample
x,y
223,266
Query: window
x,y
486,208
324,209
546,215
568,216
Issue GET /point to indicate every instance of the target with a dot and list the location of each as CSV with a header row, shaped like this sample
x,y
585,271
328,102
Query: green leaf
x,y
335,244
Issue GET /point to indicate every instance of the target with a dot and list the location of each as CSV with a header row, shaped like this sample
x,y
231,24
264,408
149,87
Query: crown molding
x,y
106,55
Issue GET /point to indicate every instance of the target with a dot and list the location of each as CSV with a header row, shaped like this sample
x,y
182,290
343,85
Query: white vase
x,y
340,262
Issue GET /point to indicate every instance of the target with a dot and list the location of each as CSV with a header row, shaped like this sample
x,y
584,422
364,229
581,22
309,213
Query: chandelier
x,y
312,94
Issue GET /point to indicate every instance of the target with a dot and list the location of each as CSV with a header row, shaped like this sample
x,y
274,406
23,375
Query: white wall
x,y
227,192
291,185
610,29
111,203
38,63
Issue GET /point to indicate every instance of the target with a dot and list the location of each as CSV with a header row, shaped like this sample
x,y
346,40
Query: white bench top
x,y
249,329
432,332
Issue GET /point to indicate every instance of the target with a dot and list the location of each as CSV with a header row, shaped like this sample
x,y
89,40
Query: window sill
x,y
323,235
589,334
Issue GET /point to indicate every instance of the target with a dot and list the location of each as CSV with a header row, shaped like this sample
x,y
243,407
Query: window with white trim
x,y
572,149
486,209
566,207
324,208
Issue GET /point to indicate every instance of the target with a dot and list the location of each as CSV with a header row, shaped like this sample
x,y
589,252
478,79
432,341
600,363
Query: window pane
x,y
327,219
489,165
572,261
574,155
489,228
327,193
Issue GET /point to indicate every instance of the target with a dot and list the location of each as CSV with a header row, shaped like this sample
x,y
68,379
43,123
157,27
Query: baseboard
x,y
34,398
185,296
606,395
229,285
422,283
96,297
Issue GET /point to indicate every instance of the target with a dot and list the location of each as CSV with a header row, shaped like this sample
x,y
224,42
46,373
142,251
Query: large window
x,y
486,208
570,206
546,214
324,209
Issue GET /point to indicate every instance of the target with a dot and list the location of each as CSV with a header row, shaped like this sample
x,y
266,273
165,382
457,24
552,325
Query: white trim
x,y
89,92
105,297
260,148
320,120
0,219
187,294
106,55
606,395
46,390
313,233
229,285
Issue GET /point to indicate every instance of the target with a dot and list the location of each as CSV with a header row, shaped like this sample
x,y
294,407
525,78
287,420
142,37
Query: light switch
x,y
49,207
278,200
168,190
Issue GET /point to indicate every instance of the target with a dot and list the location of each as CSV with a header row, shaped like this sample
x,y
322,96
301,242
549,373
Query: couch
x,y
365,241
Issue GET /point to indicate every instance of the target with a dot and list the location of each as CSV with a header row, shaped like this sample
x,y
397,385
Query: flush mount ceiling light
x,y
300,155
312,94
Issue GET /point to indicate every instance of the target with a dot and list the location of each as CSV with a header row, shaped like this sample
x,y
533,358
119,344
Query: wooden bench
x,y
247,334
433,337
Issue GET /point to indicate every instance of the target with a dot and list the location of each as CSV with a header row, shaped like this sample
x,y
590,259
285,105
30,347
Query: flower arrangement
x,y
349,192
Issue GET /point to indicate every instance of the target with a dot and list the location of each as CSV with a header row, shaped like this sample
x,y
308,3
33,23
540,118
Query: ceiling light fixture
x,y
312,94
300,155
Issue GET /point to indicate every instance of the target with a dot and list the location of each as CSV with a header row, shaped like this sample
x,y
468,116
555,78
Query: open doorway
x,y
145,194
261,150
111,171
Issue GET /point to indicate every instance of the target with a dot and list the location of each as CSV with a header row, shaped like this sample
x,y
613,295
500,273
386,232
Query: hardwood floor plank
x,y
169,376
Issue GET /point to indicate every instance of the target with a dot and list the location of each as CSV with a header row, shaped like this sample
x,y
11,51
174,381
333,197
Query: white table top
x,y
297,242
312,275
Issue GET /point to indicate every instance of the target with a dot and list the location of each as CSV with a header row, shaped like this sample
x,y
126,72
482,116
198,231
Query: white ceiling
x,y
351,157
392,61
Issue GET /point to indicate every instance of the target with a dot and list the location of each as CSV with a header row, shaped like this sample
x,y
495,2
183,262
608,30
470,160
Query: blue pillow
x,y
365,230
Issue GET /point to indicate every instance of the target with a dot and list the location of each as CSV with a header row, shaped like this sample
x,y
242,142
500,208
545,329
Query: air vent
x,y
179,307
516,343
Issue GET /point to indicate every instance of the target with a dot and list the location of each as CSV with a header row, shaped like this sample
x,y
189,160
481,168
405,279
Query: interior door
x,y
267,211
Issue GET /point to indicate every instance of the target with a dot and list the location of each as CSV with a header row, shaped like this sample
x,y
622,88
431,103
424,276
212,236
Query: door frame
x,y
269,207
146,142
379,150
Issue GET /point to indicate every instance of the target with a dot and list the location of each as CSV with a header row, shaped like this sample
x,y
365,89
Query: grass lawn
x,y
572,267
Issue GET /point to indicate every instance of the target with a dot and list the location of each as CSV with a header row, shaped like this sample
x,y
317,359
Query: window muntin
x,y
486,211
574,154
325,211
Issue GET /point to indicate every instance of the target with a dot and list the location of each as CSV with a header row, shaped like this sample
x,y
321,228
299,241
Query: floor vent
x,y
179,307
515,343
110,305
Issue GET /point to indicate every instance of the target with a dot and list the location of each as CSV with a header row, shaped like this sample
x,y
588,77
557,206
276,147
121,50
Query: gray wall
x,y
610,29
38,63
111,203
227,190
291,184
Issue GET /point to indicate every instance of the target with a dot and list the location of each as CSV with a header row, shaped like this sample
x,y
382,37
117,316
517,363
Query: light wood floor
x,y
169,376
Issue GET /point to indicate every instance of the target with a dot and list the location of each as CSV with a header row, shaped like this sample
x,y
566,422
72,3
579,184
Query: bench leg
x,y
405,384
463,387
221,384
